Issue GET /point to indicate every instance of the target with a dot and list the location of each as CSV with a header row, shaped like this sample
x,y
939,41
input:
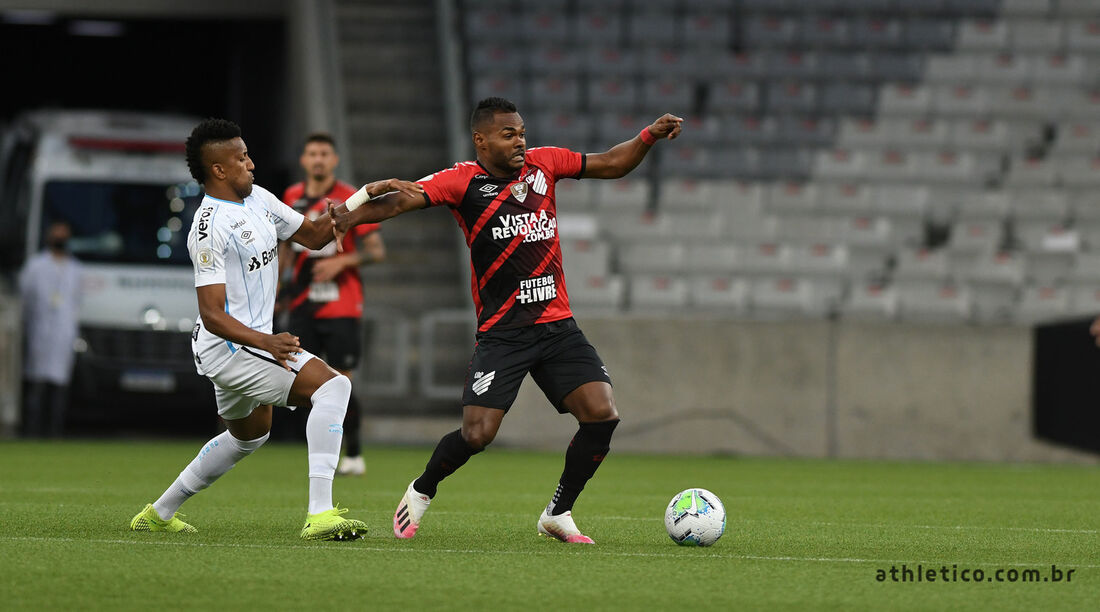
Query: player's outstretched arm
x,y
387,199
220,323
618,161
318,232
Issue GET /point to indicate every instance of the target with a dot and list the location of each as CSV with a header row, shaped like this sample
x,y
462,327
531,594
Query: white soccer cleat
x,y
562,528
351,466
409,512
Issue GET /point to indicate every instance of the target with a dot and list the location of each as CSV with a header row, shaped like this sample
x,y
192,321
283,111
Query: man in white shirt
x,y
233,244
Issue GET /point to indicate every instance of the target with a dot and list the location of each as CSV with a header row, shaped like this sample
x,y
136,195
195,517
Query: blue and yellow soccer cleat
x,y
149,520
331,525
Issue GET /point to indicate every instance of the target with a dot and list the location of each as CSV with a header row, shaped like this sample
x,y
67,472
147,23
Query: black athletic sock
x,y
352,420
586,451
451,453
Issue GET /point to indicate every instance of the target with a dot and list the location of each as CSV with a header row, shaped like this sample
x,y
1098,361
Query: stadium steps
x,y
394,101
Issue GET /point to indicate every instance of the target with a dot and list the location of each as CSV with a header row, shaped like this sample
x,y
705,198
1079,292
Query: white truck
x,y
121,182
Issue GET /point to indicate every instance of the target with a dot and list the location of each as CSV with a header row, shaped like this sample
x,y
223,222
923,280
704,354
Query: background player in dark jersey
x,y
322,289
504,203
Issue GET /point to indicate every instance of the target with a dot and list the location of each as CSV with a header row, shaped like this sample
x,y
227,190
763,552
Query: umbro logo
x,y
482,381
488,190
246,234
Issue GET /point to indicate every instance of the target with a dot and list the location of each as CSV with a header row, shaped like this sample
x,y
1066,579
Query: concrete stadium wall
x,y
807,389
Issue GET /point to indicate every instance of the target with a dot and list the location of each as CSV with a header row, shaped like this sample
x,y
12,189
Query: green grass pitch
x,y
801,534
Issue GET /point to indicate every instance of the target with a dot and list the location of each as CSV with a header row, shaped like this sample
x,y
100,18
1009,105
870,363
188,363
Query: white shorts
x,y
252,377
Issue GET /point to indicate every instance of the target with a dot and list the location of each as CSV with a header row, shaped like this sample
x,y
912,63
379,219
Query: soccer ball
x,y
695,517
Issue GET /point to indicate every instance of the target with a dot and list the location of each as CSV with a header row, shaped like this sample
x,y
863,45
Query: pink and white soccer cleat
x,y
409,512
563,528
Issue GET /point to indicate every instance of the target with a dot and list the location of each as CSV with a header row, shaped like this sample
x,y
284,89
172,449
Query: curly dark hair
x,y
487,108
210,130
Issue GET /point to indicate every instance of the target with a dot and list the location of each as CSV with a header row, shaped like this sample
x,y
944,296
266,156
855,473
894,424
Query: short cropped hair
x,y
323,137
209,131
487,108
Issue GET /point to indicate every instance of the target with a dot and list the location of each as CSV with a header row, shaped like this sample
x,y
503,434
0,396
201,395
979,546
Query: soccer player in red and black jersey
x,y
504,203
324,292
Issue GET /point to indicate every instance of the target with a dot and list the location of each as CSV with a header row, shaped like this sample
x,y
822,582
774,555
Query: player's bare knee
x,y
478,436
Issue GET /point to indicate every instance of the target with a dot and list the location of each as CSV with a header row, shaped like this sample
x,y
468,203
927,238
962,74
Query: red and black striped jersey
x,y
511,227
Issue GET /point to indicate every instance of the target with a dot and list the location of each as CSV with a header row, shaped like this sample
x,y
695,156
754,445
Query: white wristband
x,y
357,199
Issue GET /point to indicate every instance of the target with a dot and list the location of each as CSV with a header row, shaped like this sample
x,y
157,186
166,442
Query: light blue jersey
x,y
237,245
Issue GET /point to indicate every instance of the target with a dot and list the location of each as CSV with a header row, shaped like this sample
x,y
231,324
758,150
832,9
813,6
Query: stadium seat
x,y
489,24
555,60
658,293
786,295
554,92
807,131
503,87
615,127
737,163
905,99
684,194
1047,236
766,258
808,229
1084,301
923,133
972,237
951,68
1026,8
1042,205
494,59
1004,268
868,233
1003,69
627,194
691,225
585,258
824,32
1081,172
733,96
597,293
792,197
946,303
771,31
664,62
929,34
652,28
610,64
847,199
626,226
950,167
840,165
845,66
1031,172
737,66
720,293
612,93
706,30
1079,104
862,133
648,258
561,129
739,198
796,67
602,25
751,229
545,25
983,35
979,135
1025,102
750,130
871,301
1047,268
921,265
1068,70
785,163
961,100
1085,205
820,260
983,206
847,99
713,258
1083,36
877,33
891,165
905,67
575,195
1039,303
1077,8
1077,138
1038,35
667,95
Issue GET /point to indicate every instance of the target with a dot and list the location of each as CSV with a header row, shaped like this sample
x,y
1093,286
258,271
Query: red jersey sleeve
x,y
558,162
293,194
448,187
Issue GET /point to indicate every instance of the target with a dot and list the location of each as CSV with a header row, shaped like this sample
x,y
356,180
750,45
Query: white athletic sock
x,y
217,457
324,432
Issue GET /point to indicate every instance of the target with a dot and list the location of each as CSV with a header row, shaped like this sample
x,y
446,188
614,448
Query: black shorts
x,y
338,341
557,355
